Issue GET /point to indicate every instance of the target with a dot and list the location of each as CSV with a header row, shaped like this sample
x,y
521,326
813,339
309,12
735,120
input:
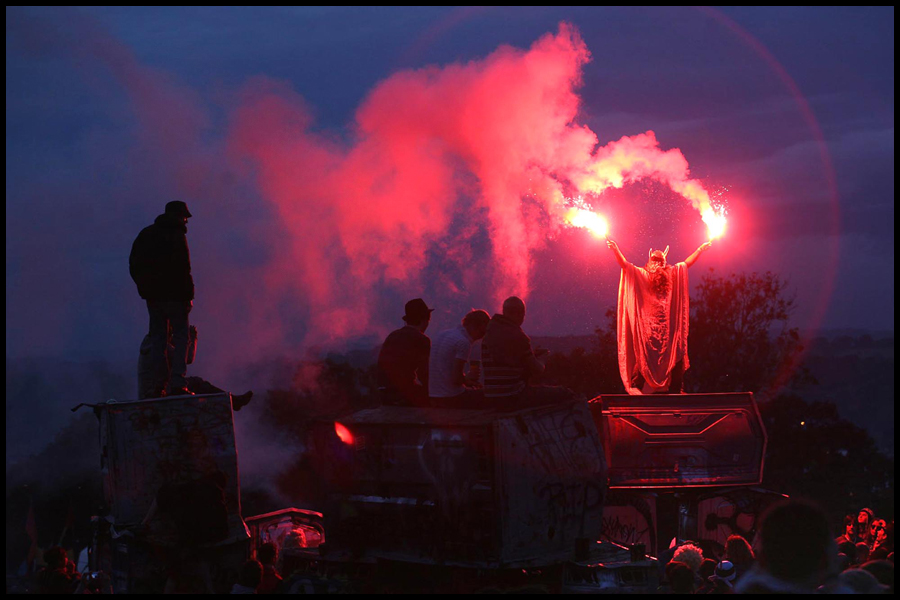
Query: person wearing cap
x,y
723,578
160,265
403,360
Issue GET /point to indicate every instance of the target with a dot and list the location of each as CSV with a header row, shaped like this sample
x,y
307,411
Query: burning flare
x,y
586,219
715,222
508,123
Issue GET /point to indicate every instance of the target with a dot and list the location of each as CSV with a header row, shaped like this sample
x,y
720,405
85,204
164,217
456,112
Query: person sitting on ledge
x,y
510,363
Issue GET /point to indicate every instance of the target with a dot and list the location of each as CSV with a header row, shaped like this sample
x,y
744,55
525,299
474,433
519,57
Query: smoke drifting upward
x,y
449,180
426,144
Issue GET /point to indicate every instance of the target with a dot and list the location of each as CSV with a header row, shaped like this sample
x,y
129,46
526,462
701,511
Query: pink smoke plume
x,y
501,131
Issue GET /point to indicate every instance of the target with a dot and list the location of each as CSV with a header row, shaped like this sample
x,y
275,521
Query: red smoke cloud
x,y
495,130
436,158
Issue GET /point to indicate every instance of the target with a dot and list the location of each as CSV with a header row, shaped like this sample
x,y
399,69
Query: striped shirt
x,y
504,352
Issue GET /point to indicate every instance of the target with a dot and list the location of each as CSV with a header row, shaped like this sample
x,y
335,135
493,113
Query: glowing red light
x,y
343,433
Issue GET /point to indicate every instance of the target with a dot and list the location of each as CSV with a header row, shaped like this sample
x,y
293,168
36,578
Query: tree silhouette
x,y
740,339
589,371
815,453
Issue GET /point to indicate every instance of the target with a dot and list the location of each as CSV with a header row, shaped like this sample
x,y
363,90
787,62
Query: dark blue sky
x,y
759,100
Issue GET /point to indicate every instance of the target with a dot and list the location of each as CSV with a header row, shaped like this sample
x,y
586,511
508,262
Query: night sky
x,y
787,113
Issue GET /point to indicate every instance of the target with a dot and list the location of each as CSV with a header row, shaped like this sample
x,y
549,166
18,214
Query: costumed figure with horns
x,y
652,322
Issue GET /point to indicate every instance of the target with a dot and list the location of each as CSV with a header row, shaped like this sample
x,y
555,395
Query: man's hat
x,y
725,571
416,310
178,208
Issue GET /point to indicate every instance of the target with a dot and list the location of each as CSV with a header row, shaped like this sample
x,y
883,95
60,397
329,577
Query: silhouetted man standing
x,y
160,265
403,360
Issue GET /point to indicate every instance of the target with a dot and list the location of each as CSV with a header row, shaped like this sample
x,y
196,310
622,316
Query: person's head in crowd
x,y
849,526
475,323
862,553
738,551
843,562
56,558
514,310
865,517
885,546
707,569
861,582
849,550
681,577
251,574
795,543
878,530
883,570
726,572
690,555
417,314
267,553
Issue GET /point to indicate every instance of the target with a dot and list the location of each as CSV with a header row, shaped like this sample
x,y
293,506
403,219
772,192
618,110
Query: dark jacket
x,y
160,262
505,351
403,364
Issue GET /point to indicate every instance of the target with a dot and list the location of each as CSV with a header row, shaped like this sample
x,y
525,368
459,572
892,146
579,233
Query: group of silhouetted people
x,y
415,372
411,371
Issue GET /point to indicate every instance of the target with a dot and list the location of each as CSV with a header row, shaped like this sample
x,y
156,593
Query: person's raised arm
x,y
620,258
693,257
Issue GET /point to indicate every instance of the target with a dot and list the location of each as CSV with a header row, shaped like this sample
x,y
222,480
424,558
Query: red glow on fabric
x,y
343,433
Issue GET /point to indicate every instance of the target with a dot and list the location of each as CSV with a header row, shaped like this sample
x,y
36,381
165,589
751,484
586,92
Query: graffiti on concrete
x,y
150,443
630,518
